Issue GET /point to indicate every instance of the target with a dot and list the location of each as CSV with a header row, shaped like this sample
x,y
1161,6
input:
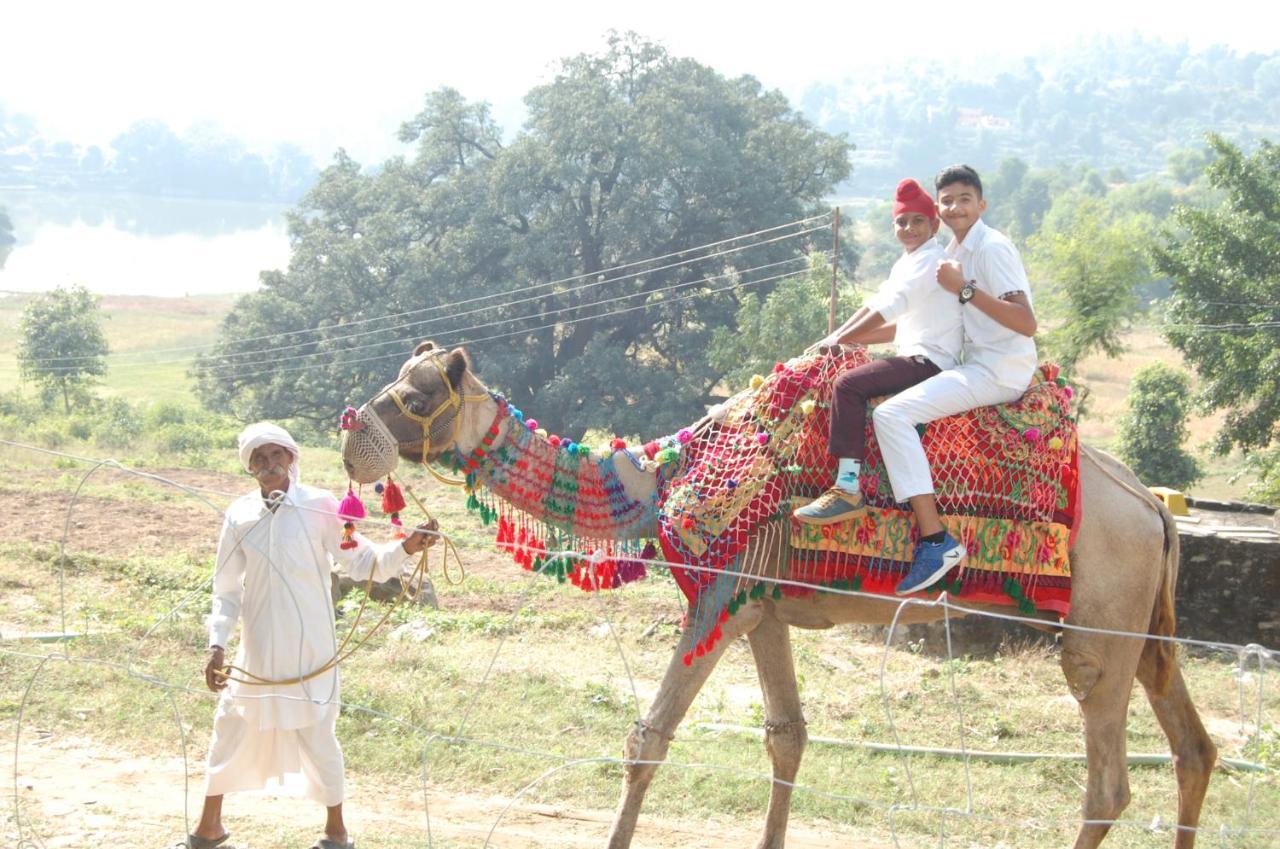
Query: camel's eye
x,y
417,406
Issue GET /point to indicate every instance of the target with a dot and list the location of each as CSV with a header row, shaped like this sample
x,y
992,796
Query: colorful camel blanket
x,y
1006,479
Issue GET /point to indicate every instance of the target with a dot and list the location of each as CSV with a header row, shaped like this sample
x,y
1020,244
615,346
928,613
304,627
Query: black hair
x,y
962,174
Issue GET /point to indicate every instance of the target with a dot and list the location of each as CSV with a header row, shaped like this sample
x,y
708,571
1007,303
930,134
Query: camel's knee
x,y
785,743
1106,800
1082,670
643,750
1194,761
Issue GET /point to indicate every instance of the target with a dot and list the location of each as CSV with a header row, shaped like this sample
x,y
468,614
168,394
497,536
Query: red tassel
x,y
392,498
348,535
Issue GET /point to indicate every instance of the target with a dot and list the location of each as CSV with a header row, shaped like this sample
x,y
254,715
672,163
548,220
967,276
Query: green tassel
x,y
777,590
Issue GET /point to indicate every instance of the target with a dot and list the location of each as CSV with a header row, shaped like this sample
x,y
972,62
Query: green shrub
x,y
1153,431
119,424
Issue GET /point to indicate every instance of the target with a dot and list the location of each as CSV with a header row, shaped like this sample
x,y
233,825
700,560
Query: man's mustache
x,y
271,472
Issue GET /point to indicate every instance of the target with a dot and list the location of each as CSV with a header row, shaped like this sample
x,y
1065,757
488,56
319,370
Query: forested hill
x,y
1110,103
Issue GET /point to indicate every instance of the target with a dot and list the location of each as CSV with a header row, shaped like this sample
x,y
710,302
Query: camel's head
x,y
418,413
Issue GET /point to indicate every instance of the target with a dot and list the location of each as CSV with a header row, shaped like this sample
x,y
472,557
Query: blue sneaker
x,y
834,505
930,562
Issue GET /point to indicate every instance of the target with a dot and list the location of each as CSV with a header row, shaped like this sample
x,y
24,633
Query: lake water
x,y
135,245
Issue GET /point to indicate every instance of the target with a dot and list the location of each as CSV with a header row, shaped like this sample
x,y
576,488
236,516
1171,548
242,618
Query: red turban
x,y
911,197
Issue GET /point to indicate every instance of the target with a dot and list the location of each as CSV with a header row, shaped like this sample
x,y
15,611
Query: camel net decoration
x,y
1006,480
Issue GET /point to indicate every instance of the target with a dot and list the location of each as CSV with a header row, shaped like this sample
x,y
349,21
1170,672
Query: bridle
x,y
452,405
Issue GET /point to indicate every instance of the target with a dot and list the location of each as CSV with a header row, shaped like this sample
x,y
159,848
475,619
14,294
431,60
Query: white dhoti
x,y
953,391
244,757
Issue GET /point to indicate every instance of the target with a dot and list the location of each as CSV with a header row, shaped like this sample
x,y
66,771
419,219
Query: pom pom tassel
x,y
349,510
351,507
392,503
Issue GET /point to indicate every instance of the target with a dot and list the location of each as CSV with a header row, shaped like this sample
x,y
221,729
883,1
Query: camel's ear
x,y
424,346
455,365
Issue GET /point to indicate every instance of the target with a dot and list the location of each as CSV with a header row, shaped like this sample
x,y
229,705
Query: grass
x,y
140,331
526,673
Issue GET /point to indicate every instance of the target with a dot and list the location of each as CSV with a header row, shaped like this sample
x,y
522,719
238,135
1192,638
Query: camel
x,y
1124,568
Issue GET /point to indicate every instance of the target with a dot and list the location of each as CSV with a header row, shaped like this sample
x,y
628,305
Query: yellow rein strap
x,y
453,403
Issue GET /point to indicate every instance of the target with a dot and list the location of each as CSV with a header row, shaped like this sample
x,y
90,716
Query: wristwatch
x,y
967,291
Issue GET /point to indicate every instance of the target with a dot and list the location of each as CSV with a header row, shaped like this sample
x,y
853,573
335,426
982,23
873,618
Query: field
x,y
505,709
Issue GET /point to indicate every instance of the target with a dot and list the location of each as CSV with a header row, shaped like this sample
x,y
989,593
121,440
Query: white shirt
x,y
273,576
928,317
992,262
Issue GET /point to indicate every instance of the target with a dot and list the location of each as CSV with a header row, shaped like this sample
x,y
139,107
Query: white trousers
x,y
242,757
945,394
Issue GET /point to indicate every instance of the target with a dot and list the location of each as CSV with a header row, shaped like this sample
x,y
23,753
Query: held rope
x,y
421,573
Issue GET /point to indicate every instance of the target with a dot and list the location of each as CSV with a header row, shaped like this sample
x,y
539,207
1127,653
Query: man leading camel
x,y
272,576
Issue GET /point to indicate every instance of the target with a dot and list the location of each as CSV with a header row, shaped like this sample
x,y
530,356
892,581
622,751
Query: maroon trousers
x,y
854,388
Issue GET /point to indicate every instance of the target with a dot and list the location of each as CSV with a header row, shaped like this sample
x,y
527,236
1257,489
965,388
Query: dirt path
x,y
73,792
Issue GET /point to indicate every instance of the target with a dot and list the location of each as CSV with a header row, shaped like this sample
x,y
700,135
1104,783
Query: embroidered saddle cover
x,y
1006,480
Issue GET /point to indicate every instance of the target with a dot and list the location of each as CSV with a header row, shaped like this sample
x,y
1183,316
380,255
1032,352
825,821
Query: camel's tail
x,y
1160,655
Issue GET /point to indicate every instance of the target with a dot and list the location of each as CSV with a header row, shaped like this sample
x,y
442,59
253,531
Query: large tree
x,y
625,155
63,348
1224,313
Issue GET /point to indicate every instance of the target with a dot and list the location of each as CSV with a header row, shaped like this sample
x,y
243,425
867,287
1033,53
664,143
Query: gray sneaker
x,y
834,505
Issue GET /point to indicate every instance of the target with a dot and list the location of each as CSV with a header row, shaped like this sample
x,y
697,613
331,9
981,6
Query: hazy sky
x,y
328,74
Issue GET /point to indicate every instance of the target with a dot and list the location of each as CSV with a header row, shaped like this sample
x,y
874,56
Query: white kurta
x,y
997,368
273,576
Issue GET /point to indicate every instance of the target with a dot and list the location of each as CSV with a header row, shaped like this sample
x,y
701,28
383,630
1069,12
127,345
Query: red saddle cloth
x,y
1006,480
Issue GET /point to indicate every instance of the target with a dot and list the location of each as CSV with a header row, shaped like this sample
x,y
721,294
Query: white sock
x,y
847,474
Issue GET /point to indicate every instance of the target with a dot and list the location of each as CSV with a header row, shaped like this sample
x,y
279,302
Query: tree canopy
x,y
62,348
1224,313
518,250
1093,262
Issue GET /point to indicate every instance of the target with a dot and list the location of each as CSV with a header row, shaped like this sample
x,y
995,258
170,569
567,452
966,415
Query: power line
x,y
495,295
227,367
401,355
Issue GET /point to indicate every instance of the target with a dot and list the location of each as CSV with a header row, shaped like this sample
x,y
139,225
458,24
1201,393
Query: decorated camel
x,y
1076,536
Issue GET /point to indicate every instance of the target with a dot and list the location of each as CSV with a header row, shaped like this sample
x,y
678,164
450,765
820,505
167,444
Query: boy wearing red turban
x,y
911,310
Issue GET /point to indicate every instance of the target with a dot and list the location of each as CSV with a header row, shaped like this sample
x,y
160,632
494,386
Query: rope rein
x,y
421,573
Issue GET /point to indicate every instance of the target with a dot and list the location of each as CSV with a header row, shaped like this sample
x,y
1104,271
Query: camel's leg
x,y
647,743
1099,670
784,730
1194,754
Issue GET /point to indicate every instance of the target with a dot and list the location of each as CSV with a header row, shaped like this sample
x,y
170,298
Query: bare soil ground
x,y
74,792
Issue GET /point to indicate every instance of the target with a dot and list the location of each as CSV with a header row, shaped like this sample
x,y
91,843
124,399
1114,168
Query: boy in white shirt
x,y
909,309
984,273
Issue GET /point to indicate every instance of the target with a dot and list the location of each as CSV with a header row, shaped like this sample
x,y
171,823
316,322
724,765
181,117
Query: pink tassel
x,y
351,507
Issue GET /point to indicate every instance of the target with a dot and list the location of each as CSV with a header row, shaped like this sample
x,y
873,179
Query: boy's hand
x,y
951,276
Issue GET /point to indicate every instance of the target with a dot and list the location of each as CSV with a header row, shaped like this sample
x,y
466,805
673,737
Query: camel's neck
x,y
582,494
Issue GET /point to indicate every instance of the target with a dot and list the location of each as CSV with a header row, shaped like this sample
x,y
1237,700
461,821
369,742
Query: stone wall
x,y
1229,590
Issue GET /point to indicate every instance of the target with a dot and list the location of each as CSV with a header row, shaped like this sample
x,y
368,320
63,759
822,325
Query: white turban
x,y
259,434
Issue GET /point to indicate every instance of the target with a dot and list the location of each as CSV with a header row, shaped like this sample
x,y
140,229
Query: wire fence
x,y
908,813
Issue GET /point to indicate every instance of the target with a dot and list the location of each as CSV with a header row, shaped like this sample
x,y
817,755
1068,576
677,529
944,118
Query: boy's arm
x,y
1013,310
869,329
838,335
